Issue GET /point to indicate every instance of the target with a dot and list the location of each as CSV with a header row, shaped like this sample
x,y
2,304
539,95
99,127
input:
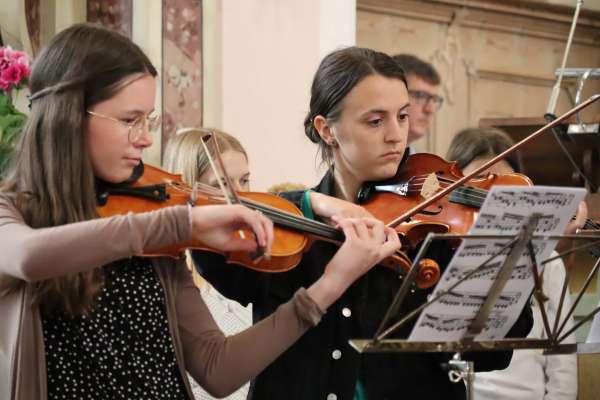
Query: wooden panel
x,y
529,18
535,154
486,71
589,385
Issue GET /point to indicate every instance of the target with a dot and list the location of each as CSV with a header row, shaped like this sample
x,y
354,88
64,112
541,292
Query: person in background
x,y
185,155
423,90
531,375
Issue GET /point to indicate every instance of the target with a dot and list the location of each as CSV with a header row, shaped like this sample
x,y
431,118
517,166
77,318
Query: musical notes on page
x,y
448,324
477,262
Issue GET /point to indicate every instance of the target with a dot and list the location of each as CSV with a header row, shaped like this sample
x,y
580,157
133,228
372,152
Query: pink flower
x,y
14,68
7,53
13,74
25,71
16,54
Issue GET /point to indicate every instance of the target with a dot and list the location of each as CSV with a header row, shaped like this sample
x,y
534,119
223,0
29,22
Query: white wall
x,y
259,59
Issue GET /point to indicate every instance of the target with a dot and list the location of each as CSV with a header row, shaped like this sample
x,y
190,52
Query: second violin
x,y
422,176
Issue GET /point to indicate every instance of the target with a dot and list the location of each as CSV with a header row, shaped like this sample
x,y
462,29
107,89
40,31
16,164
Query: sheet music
x,y
504,212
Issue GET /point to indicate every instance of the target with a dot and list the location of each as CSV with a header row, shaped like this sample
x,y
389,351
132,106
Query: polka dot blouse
x,y
123,349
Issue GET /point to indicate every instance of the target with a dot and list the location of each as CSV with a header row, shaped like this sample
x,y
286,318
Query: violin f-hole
x,y
432,212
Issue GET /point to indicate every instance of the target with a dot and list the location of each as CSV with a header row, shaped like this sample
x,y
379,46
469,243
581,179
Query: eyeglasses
x,y
423,98
136,128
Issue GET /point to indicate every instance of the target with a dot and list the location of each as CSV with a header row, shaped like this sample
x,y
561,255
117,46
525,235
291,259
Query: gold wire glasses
x,y
135,128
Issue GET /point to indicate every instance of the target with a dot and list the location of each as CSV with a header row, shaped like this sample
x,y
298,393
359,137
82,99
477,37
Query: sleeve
x,y
223,364
37,254
560,370
295,196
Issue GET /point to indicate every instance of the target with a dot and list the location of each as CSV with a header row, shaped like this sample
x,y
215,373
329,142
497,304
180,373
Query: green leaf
x,y
5,153
11,124
10,127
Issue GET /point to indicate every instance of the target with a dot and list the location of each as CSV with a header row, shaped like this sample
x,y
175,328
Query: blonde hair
x,y
286,187
185,154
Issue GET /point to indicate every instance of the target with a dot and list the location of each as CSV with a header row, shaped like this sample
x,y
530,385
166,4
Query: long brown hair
x,y
51,181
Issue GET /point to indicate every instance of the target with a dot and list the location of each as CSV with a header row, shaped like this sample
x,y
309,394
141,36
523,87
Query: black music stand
x,y
464,370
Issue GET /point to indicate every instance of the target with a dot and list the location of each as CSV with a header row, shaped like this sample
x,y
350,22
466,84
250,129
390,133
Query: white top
x,y
531,375
232,318
594,333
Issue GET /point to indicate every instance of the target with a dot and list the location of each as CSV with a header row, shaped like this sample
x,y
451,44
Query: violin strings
x,y
293,220
299,221
446,180
467,193
481,192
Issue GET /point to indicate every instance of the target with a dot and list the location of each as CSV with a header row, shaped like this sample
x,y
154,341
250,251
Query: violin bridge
x,y
430,186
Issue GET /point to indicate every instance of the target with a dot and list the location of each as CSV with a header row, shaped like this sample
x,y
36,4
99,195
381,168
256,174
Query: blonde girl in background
x,y
186,155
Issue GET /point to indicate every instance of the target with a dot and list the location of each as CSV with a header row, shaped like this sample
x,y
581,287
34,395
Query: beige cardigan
x,y
220,364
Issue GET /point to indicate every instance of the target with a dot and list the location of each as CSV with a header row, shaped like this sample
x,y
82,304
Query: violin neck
x,y
591,225
297,223
468,196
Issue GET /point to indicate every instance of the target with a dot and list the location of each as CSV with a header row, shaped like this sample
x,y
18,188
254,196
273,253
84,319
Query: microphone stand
x,y
558,131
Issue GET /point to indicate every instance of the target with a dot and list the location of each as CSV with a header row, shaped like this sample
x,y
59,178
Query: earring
x,y
333,143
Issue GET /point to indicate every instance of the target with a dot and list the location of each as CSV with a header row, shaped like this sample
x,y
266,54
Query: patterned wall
x,y
113,14
181,74
181,65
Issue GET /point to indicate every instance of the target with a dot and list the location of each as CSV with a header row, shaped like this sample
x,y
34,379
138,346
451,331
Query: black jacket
x,y
322,365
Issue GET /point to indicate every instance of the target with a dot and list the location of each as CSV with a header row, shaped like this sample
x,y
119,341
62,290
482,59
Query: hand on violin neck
x,y
579,220
368,241
217,226
327,206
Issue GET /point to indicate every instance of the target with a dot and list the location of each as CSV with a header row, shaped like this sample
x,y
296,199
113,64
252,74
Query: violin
x,y
293,233
421,176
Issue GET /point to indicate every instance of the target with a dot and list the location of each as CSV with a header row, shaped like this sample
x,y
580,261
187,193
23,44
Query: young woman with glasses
x,y
83,316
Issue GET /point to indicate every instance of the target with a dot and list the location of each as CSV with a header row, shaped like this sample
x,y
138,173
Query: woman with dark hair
x,y
472,147
82,315
359,119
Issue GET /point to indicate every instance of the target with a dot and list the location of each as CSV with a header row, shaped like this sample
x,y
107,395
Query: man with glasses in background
x,y
423,87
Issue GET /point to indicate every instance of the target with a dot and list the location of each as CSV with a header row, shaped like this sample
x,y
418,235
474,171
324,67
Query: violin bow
x,y
225,184
499,157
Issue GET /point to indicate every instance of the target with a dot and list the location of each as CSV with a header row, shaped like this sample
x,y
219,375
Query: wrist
x,y
325,291
331,285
